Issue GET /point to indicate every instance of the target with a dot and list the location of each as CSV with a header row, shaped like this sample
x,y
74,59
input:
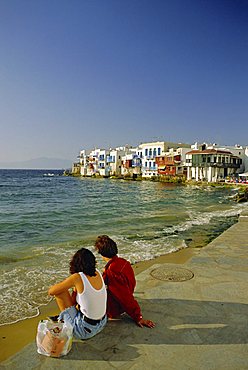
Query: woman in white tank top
x,y
85,308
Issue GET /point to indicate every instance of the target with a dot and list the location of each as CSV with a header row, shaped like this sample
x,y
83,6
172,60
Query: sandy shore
x,y
14,337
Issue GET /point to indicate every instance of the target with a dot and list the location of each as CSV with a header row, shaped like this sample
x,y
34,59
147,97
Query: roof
x,y
210,151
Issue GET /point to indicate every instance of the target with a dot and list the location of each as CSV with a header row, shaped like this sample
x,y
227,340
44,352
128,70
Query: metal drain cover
x,y
169,273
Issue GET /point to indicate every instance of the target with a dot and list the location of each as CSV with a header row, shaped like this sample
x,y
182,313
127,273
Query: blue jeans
x,y
81,328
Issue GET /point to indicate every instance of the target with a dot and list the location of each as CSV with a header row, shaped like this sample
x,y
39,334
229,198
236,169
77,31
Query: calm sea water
x,y
45,218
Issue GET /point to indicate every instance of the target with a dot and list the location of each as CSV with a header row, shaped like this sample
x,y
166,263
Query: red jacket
x,y
120,280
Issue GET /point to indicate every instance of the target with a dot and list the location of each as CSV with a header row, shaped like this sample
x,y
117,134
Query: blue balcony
x,y
136,163
151,168
150,156
110,159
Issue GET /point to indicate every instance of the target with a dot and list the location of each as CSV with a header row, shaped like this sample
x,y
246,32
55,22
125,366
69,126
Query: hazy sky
x,y
83,73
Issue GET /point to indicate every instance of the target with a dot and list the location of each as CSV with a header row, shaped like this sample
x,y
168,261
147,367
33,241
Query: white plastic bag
x,y
54,339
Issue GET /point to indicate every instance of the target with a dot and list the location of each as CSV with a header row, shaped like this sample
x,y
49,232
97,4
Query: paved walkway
x,y
202,323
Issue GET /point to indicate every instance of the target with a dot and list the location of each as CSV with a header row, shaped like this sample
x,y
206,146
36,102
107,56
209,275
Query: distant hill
x,y
39,163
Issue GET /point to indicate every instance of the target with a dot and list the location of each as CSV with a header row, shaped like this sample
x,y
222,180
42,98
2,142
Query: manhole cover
x,y
167,273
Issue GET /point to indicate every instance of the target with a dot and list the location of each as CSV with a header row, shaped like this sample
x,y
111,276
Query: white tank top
x,y
92,301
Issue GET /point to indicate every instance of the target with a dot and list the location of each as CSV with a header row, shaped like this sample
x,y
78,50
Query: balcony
x,y
152,168
216,164
110,159
150,156
136,163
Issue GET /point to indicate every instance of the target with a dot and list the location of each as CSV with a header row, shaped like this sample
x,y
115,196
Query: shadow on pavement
x,y
178,322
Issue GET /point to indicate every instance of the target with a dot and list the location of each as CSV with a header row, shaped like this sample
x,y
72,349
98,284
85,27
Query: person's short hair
x,y
106,246
83,261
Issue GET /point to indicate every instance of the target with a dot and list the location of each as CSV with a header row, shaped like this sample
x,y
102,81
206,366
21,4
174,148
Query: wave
x,y
198,219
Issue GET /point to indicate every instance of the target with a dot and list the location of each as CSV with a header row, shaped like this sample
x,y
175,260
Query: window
x,y
159,151
146,151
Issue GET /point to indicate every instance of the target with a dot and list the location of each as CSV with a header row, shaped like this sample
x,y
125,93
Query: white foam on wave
x,y
203,218
24,283
140,250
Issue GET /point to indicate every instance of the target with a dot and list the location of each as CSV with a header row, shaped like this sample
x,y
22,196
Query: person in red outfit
x,y
119,277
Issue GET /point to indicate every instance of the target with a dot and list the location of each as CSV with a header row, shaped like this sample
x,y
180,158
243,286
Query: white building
x,y
103,162
147,152
83,162
101,167
114,160
240,152
131,163
211,164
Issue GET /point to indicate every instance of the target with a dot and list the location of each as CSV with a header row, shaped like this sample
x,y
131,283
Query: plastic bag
x,y
54,339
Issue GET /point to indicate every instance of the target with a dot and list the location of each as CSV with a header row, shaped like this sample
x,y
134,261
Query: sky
x,y
79,74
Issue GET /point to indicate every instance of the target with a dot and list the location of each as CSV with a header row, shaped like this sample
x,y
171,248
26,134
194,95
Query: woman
x,y
85,308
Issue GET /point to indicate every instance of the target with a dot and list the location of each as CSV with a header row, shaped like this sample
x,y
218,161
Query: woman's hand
x,y
150,324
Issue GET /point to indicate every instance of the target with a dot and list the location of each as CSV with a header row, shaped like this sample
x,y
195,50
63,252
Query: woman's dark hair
x,y
83,261
106,246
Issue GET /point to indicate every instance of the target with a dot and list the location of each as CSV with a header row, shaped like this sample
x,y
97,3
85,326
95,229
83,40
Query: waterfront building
x,y
238,151
114,160
75,170
103,168
102,162
150,151
211,164
197,161
88,161
131,163
172,163
246,159
83,159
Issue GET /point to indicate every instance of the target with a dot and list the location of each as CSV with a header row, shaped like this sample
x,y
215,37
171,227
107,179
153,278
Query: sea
x,y
46,217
